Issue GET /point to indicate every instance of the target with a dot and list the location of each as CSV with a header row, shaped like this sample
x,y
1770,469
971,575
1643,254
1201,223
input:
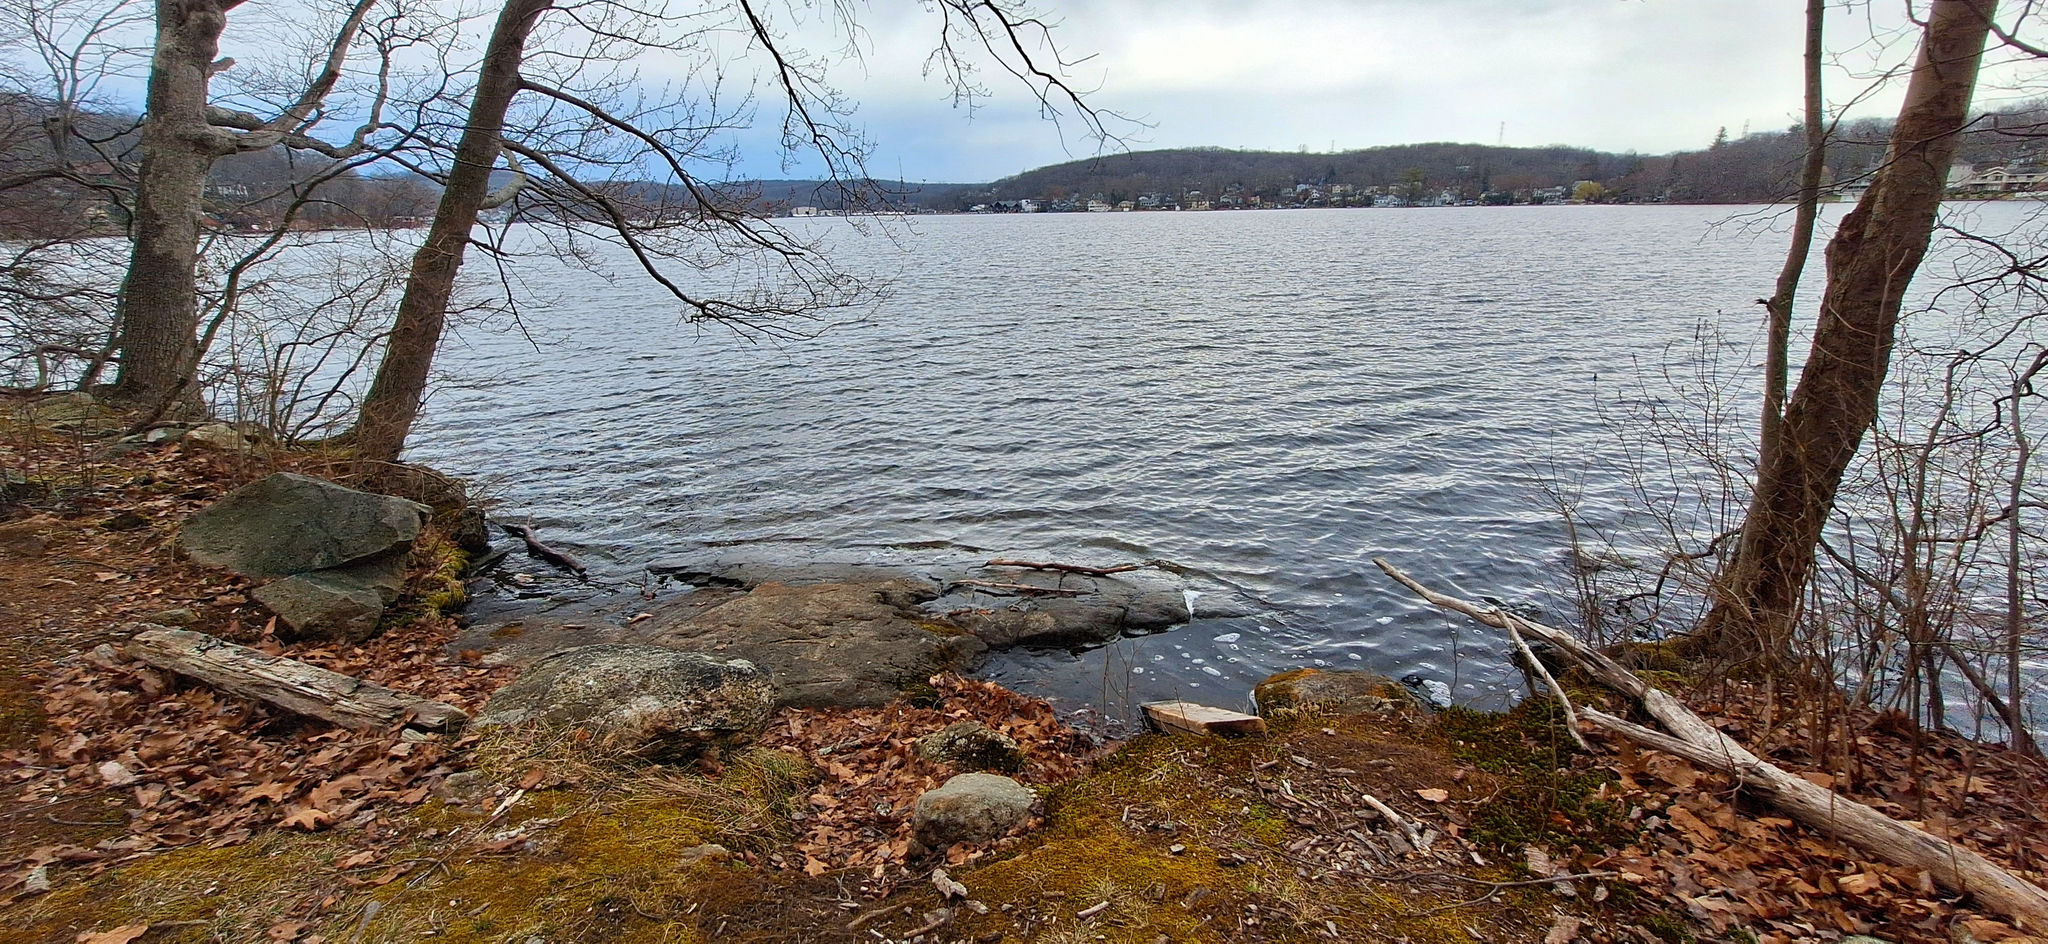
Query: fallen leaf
x,y
1434,795
120,935
115,774
309,818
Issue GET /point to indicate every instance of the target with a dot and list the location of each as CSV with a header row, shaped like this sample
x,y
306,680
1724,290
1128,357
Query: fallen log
x,y
1952,866
562,559
1069,568
1186,717
288,683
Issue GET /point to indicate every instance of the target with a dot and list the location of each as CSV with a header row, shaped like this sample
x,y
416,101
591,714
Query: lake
x,y
1268,399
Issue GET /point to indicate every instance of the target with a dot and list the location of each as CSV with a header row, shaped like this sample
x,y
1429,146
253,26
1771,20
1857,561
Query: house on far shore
x,y
1965,180
803,211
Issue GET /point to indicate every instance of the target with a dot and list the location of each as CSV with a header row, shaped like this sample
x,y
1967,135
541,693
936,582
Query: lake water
x,y
1269,399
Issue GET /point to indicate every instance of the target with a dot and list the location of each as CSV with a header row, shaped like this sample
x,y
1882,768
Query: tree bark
x,y
394,400
1871,260
1777,344
158,312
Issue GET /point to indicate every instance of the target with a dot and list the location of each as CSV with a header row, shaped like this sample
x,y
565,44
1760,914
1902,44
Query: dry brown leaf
x,y
1434,795
120,935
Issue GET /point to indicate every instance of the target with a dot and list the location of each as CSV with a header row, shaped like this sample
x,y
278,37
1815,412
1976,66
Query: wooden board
x,y
288,683
1186,717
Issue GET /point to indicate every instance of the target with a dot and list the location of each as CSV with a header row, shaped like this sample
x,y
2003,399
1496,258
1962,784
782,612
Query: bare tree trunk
x,y
1871,259
393,403
158,313
1777,360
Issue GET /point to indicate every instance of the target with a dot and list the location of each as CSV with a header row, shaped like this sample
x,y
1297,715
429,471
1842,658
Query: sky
x,y
1652,76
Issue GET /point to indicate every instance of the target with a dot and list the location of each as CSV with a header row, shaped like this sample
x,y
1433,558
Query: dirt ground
x,y
135,806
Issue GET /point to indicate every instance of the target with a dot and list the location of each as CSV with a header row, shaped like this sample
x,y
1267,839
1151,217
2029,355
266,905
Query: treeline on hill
x,y
1754,168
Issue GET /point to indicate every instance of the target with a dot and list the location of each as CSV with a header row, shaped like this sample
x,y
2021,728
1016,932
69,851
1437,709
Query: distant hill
x,y
1753,168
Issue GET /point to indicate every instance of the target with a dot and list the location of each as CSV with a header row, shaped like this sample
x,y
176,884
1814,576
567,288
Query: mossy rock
x,y
1342,691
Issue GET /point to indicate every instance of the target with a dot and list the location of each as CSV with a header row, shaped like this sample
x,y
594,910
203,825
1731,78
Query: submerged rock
x,y
1072,609
971,745
830,644
289,524
969,808
646,701
1345,691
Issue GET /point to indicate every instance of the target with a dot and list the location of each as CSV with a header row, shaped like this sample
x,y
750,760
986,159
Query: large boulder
x,y
830,644
1344,691
339,603
289,524
969,808
649,702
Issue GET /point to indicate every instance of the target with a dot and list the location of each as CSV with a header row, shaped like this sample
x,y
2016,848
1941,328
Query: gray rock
x,y
290,524
969,808
710,853
828,644
1345,691
179,616
344,604
464,786
971,745
645,701
1107,608
221,436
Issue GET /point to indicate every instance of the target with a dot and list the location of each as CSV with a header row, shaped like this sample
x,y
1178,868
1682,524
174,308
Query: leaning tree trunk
x,y
394,399
1870,261
158,312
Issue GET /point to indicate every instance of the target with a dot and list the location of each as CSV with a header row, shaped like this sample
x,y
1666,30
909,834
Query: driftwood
x,y
1186,717
288,683
561,559
1951,865
1069,568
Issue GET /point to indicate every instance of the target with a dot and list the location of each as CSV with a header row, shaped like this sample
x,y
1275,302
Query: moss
x,y
1543,799
581,866
433,582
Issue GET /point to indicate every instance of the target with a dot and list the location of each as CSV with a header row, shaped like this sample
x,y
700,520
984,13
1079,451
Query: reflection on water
x,y
1268,398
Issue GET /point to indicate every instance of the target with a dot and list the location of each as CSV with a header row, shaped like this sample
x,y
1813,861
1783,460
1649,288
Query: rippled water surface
x,y
1270,399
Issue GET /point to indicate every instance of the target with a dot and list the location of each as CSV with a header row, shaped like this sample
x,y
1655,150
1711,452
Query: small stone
x,y
125,521
971,745
465,786
969,808
1176,848
218,436
38,881
710,853
178,616
115,774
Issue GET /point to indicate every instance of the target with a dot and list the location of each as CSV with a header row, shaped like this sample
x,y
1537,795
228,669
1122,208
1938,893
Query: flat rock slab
x,y
828,644
1069,609
288,524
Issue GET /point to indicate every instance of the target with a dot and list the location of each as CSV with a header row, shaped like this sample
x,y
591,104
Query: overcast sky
x,y
1646,75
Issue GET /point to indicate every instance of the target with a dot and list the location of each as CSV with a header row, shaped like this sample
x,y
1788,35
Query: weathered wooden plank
x,y
1186,717
288,683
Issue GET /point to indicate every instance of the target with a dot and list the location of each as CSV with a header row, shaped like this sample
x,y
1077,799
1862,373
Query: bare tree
x,y
594,158
183,133
1871,260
